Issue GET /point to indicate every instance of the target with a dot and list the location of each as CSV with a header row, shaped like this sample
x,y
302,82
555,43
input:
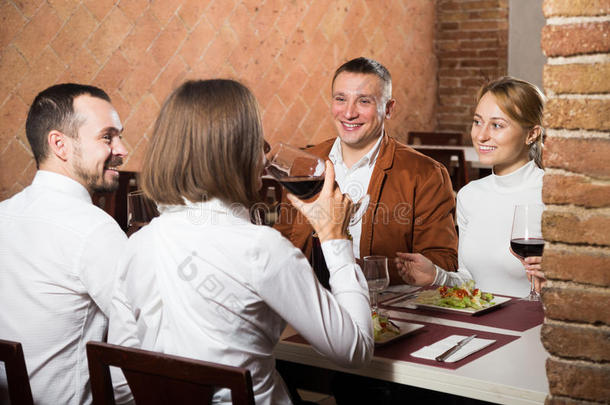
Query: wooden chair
x,y
157,378
115,203
455,162
19,390
434,138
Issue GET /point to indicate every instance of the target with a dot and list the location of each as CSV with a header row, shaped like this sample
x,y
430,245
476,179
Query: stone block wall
x,y
576,190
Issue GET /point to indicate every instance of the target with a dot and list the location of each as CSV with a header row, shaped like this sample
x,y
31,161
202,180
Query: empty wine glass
x,y
140,211
302,174
375,269
526,237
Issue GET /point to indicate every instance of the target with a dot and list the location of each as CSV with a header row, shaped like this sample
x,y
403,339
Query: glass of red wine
x,y
302,174
526,237
140,211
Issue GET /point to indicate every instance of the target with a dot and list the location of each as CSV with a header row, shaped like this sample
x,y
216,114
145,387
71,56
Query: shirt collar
x,y
61,183
213,206
336,154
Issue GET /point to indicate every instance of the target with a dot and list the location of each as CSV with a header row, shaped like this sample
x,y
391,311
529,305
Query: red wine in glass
x,y
527,247
303,187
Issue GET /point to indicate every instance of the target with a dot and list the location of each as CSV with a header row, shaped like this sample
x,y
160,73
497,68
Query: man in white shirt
x,y
57,250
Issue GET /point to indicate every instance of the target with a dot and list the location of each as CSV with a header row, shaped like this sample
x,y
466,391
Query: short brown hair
x,y
53,109
368,67
207,142
523,102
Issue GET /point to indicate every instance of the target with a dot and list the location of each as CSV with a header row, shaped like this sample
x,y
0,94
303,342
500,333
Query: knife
x,y
455,348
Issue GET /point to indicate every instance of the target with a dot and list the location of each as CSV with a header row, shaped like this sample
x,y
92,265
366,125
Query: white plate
x,y
405,329
469,311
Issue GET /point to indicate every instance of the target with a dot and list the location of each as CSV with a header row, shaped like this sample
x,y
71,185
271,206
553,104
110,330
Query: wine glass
x,y
526,237
140,211
302,174
375,269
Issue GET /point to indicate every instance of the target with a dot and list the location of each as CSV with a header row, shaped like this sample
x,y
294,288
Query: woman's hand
x,y
329,213
533,268
415,269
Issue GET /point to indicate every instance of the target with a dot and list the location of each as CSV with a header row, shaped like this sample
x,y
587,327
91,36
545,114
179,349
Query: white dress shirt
x,y
354,181
57,260
201,281
485,210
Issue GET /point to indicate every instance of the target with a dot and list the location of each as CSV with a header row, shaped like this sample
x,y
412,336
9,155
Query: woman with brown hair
x,y
202,281
507,134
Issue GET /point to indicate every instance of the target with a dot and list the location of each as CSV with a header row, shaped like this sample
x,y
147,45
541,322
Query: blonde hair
x,y
207,142
523,102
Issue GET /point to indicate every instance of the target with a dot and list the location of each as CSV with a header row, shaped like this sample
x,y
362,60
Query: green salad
x,y
462,297
383,328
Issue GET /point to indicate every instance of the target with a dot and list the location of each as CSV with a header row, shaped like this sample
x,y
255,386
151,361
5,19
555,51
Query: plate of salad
x,y
386,330
462,299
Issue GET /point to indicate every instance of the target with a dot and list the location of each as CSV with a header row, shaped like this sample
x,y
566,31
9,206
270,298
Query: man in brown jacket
x,y
411,200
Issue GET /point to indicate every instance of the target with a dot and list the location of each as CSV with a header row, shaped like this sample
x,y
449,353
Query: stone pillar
x,y
576,224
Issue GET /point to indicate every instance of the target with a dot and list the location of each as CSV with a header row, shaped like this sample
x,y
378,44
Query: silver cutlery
x,y
455,348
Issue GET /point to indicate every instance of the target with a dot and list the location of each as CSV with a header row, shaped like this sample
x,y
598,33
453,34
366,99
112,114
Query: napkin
x,y
438,348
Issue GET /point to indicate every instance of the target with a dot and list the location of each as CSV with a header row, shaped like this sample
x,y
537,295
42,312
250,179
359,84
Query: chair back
x,y
455,162
19,390
158,378
434,138
271,195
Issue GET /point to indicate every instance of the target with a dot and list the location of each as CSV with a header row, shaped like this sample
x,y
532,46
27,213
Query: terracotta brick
x,y
196,43
170,78
109,36
575,189
164,10
191,11
82,68
577,78
140,37
113,72
99,8
139,80
581,113
577,303
141,119
581,264
168,41
291,88
576,226
219,49
73,34
15,159
44,24
63,8
11,22
576,341
588,156
217,12
12,114
12,69
44,72
575,39
579,380
136,156
573,8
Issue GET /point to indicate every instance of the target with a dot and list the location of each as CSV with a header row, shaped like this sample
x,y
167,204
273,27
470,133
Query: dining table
x,y
511,370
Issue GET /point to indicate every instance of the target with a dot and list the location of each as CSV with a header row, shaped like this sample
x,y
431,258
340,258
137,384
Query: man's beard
x,y
95,181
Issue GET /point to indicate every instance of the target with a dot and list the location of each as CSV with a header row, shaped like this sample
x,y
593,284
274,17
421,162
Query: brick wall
x,y
576,190
285,51
472,48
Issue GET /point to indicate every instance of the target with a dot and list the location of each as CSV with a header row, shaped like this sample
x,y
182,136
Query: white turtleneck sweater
x,y
484,216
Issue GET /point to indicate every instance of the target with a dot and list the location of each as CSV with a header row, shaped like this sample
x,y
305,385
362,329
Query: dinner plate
x,y
405,329
498,301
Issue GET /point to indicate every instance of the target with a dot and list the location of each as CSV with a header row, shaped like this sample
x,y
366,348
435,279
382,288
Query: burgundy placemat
x,y
402,348
516,314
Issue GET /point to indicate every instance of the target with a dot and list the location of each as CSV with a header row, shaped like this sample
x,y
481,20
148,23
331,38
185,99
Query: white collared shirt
x,y
57,260
202,281
354,181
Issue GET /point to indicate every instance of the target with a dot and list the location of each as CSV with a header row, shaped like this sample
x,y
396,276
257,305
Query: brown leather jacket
x,y
411,209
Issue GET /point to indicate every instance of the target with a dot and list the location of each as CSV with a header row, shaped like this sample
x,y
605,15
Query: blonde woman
x,y
202,281
507,134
